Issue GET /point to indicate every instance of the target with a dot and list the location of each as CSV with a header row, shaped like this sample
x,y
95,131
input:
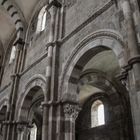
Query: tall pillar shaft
x,y
10,128
49,109
133,67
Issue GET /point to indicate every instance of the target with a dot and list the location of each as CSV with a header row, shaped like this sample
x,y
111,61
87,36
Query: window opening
x,y
33,132
97,114
13,55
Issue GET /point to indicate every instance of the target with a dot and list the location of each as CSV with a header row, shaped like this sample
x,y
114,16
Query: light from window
x,y
33,132
101,120
13,55
41,20
97,114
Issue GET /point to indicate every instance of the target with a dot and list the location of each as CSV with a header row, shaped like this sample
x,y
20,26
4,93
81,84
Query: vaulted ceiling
x,y
25,10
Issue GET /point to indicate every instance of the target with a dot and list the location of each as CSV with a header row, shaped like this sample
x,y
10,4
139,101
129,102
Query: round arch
x,y
96,42
104,83
38,81
16,16
4,102
36,10
35,13
97,79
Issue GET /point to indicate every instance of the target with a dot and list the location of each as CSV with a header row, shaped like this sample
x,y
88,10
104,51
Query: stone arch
x,y
36,11
101,81
97,79
16,16
33,23
87,48
116,109
37,81
28,103
4,102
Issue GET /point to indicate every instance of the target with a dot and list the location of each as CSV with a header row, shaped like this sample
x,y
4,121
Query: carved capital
x,y
71,110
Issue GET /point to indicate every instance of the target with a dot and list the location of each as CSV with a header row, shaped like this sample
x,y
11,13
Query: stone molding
x,y
18,20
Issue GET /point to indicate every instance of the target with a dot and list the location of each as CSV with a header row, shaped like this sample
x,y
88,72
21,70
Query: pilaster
x,y
132,69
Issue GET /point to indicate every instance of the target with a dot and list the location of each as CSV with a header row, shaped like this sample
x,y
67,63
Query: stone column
x,y
49,111
20,132
23,130
26,134
71,113
45,122
15,77
132,70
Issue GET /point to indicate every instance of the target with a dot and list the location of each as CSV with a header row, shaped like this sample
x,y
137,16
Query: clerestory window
x,y
97,114
13,55
41,24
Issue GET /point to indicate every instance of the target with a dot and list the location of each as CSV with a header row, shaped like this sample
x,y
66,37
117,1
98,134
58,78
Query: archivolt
x,y
15,15
36,81
84,51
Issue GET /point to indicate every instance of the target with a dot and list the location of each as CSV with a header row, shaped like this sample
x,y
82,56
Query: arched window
x,y
41,20
33,132
13,55
97,114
